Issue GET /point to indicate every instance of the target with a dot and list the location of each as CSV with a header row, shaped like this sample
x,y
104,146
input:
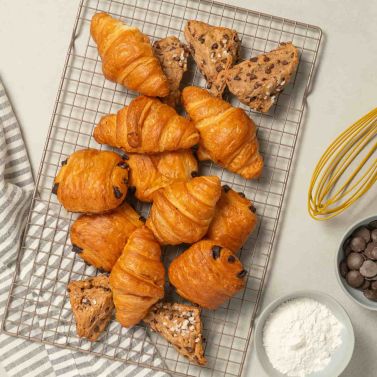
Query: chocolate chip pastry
x,y
215,49
92,305
100,239
92,181
234,220
257,81
172,54
181,326
207,274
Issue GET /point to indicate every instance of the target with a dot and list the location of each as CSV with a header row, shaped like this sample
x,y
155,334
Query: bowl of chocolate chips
x,y
356,263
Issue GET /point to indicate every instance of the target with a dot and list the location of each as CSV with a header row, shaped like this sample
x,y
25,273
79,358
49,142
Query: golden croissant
x,y
182,211
100,239
227,134
137,278
146,126
127,56
149,173
92,181
207,274
234,220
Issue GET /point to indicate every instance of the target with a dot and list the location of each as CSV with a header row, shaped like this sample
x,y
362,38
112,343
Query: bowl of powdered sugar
x,y
305,334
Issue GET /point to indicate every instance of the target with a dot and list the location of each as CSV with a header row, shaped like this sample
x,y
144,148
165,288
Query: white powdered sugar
x,y
300,337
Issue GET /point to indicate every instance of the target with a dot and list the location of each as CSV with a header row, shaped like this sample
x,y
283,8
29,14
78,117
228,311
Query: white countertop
x,y
34,37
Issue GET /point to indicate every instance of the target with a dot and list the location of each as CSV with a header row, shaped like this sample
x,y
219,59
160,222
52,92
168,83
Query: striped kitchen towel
x,y
21,358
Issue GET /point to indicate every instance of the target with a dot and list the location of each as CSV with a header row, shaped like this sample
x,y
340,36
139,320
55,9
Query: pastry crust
x,y
146,126
257,81
137,278
172,54
100,239
234,220
227,134
92,305
207,274
127,56
92,181
215,50
181,326
182,211
149,173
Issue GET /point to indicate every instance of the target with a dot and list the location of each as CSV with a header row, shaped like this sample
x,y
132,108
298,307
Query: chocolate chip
x,y
266,59
214,46
55,188
201,39
284,62
371,294
358,244
231,259
209,85
354,261
68,290
226,36
117,193
268,71
216,250
283,43
252,209
176,58
251,76
189,349
123,165
237,78
125,157
252,99
64,162
368,269
362,232
355,279
242,195
242,274
257,85
143,219
76,249
132,190
343,269
219,68
226,188
254,59
194,174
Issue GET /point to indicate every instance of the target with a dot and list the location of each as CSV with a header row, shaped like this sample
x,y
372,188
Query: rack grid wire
x,y
38,306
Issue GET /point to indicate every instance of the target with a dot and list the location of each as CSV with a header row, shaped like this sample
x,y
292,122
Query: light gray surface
x,y
34,37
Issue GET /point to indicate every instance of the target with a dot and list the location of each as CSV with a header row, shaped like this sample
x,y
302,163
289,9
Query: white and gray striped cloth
x,y
19,357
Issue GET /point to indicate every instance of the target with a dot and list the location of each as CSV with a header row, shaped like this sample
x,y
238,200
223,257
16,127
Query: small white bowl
x,y
354,294
342,354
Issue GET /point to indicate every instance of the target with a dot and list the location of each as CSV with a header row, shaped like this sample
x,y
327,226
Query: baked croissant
x,y
182,211
151,172
100,239
127,56
227,134
137,278
207,274
92,181
234,220
146,126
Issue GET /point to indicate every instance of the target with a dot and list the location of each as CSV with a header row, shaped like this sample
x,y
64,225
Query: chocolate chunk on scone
x,y
92,305
215,49
172,54
181,326
257,81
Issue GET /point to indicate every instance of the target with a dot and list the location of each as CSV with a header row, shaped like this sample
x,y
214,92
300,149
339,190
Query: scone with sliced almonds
x,y
172,54
181,326
92,305
215,49
257,81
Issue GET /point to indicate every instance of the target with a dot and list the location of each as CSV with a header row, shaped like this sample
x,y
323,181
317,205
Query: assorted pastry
x,y
160,167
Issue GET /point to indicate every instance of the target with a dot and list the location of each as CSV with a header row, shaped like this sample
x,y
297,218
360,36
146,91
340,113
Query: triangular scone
x,y
172,54
257,81
215,49
181,326
92,305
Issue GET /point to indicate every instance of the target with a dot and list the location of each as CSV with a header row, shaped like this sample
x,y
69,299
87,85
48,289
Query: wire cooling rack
x,y
38,307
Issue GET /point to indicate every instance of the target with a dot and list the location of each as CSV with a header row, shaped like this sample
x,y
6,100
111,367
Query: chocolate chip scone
x,y
215,49
92,305
180,325
172,54
257,81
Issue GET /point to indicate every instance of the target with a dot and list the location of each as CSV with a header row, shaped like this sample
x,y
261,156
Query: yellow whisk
x,y
338,180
